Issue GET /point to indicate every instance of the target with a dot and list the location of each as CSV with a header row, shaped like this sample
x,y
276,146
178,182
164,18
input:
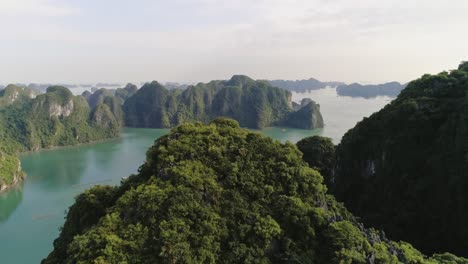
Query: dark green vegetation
x,y
319,153
303,85
220,194
124,93
113,98
55,118
405,168
391,89
255,104
13,93
97,97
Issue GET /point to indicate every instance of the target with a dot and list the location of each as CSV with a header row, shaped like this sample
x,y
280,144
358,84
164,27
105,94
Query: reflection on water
x,y
9,201
30,217
51,170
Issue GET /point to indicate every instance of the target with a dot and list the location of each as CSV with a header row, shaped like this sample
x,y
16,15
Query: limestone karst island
x,y
195,131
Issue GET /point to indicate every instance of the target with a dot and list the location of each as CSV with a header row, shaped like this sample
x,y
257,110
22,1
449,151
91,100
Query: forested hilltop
x,y
217,193
254,104
55,118
405,168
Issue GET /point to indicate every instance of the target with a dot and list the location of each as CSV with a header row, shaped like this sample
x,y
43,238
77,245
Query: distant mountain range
x,y
391,89
78,88
303,85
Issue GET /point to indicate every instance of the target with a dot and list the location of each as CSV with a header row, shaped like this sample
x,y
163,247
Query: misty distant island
x,y
302,86
390,89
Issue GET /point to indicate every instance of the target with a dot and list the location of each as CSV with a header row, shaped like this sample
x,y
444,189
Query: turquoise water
x,y
341,113
31,214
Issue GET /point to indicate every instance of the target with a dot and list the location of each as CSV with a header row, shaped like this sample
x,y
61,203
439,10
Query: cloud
x,y
35,8
207,39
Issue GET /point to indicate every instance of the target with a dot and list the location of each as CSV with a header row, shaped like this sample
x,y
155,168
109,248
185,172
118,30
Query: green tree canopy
x,y
217,193
463,66
319,153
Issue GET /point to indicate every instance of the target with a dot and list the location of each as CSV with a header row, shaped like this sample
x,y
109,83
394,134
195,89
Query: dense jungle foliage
x,y
319,153
254,104
217,193
405,168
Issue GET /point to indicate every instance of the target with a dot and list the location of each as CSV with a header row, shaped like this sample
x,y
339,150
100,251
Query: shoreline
x,y
16,182
22,179
52,148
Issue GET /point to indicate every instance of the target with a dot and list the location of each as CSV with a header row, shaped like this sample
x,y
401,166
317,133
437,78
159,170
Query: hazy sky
x,y
200,40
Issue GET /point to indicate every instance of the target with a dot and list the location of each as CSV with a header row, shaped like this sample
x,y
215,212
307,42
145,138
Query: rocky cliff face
x,y
57,101
18,177
13,93
58,110
10,171
12,97
405,168
55,118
